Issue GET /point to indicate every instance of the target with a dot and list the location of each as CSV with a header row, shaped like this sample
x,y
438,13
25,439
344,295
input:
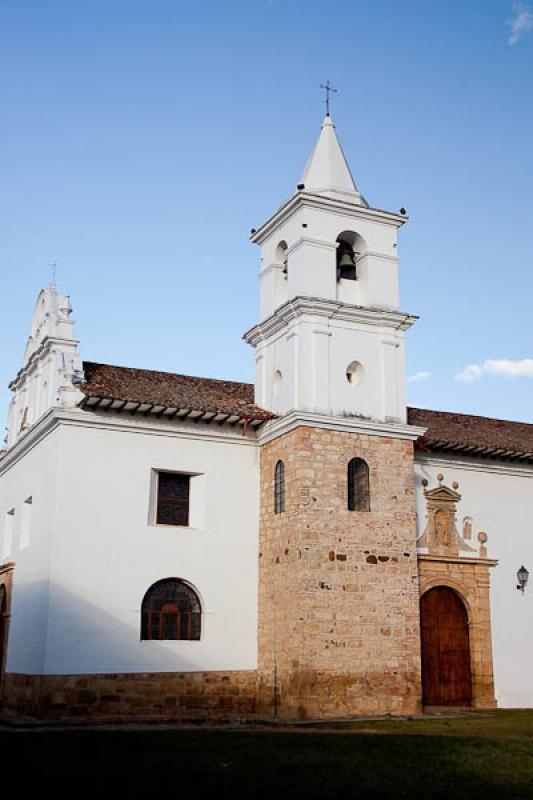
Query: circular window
x,y
354,373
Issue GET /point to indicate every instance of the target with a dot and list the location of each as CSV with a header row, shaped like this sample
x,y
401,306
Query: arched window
x,y
281,256
358,485
171,610
279,488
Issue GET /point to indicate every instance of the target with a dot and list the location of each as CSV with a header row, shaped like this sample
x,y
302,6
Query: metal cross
x,y
53,267
328,89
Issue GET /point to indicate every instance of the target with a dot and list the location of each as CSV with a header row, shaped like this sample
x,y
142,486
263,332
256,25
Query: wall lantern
x,y
522,576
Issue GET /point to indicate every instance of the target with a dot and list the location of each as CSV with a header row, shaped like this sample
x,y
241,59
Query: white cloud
x,y
521,23
419,376
506,367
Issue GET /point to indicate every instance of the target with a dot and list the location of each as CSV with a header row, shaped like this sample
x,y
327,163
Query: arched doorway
x,y
446,676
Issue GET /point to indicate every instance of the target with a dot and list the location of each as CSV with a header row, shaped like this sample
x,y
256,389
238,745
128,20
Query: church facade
x,y
304,547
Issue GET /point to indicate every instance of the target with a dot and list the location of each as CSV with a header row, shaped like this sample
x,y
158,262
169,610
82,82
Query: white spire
x,y
327,171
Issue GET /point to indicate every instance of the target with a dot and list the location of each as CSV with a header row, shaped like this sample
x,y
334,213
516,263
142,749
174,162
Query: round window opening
x,y
354,373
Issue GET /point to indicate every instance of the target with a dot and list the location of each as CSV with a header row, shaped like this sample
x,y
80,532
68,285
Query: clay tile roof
x,y
476,435
459,433
169,390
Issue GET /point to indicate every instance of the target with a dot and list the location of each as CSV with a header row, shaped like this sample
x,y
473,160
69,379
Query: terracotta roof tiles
x,y
170,390
467,433
460,433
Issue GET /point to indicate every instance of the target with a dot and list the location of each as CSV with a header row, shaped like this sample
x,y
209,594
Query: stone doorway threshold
x,y
447,710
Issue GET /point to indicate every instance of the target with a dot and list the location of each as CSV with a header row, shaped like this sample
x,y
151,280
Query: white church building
x,y
304,547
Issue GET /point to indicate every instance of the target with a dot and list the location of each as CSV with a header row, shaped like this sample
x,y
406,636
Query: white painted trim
x,y
327,204
91,419
295,419
331,309
478,464
44,349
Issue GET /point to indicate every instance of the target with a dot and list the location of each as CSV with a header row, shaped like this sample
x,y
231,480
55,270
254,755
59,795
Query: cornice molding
x,y
479,464
43,350
296,419
466,560
327,204
330,309
90,419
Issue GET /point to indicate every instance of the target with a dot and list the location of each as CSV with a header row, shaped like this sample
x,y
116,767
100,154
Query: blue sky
x,y
141,141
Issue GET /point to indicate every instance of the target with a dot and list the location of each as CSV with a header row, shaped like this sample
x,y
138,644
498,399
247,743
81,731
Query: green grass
x,y
486,724
480,756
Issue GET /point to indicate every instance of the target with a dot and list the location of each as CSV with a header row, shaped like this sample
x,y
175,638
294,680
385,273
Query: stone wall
x,y
339,627
191,695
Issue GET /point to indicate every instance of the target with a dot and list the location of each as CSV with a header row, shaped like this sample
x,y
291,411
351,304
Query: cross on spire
x,y
53,267
328,89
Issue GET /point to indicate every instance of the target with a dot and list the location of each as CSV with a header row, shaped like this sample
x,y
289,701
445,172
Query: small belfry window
x,y
173,492
171,610
358,485
279,488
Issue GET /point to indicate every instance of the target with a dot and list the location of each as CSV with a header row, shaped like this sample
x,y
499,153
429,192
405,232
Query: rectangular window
x,y
173,493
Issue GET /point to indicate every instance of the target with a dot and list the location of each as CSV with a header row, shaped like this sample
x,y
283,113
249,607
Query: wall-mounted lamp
x,y
522,576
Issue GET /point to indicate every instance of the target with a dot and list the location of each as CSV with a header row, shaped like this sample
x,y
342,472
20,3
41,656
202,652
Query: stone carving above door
x,y
440,535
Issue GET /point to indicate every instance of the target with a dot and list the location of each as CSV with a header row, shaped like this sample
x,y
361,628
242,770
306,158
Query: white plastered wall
x,y
32,527
500,501
86,551
106,554
313,355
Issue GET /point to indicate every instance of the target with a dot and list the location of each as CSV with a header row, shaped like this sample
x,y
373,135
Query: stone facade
x,y
338,590
178,695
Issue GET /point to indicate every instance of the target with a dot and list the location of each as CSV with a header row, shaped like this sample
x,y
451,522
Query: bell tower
x,y
338,619
331,334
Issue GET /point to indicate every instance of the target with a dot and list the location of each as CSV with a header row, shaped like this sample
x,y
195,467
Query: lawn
x,y
489,756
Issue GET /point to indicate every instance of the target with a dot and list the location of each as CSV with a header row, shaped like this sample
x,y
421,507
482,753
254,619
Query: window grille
x,y
171,610
279,488
358,485
173,491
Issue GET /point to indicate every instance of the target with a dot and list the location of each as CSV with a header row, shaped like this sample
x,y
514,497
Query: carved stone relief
x,y
441,535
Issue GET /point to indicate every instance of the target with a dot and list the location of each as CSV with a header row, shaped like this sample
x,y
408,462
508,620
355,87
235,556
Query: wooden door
x,y
446,677
3,629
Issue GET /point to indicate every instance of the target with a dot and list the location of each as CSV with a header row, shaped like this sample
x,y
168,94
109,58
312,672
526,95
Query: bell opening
x,y
346,261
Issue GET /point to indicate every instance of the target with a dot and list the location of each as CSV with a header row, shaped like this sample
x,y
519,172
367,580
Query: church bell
x,y
345,262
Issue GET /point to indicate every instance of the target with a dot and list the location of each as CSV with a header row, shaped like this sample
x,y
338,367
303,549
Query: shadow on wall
x,y
97,666
80,637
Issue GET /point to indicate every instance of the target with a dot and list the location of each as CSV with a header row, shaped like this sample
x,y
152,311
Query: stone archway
x,y
454,588
445,640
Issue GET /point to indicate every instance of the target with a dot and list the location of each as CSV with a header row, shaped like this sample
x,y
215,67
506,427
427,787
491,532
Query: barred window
x,y
171,610
358,485
173,490
279,488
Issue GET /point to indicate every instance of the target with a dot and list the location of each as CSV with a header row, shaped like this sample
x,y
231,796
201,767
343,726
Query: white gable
x,y
51,368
